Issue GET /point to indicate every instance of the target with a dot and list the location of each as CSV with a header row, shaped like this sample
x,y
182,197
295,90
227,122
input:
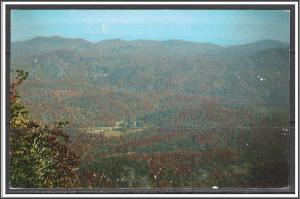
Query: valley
x,y
164,114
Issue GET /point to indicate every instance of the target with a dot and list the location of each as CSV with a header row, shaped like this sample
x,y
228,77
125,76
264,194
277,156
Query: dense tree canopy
x,y
39,156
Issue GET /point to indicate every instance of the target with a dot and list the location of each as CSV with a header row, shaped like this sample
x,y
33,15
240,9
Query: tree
x,y
39,153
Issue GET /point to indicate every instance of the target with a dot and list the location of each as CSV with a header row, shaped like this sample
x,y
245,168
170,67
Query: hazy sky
x,y
223,27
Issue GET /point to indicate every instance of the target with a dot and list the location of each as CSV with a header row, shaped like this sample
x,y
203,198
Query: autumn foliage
x,y
39,153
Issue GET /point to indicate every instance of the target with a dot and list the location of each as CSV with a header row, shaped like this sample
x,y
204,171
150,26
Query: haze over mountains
x,y
163,114
157,82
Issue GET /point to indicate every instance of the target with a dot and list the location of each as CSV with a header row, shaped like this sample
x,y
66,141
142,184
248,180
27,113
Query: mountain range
x,y
161,83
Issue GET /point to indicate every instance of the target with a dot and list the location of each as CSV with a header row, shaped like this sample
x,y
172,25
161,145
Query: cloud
x,y
104,28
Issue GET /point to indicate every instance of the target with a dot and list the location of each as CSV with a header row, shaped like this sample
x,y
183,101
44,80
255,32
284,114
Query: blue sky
x,y
223,27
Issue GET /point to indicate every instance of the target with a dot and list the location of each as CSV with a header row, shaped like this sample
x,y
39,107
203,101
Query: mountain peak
x,y
40,38
112,41
54,39
263,43
270,41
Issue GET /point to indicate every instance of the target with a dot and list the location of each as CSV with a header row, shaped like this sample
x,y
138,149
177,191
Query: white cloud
x,y
104,28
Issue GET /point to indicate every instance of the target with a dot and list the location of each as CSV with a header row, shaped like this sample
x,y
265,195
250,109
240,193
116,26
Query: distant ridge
x,y
142,48
170,41
119,76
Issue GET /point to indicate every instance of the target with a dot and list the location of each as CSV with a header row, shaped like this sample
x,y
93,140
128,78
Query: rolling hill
x,y
196,115
101,83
